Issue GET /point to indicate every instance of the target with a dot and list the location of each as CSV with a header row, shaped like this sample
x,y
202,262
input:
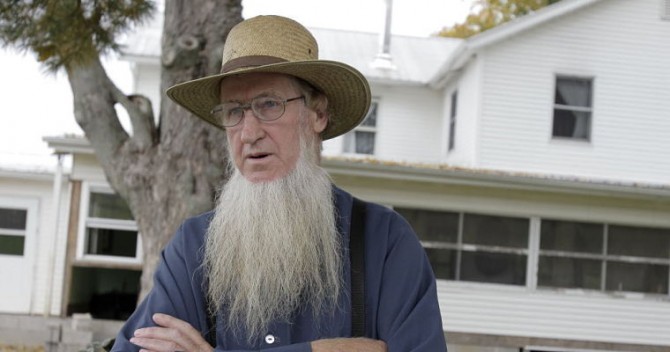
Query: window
x,y
573,108
452,121
665,10
569,254
109,231
362,139
13,231
603,257
473,247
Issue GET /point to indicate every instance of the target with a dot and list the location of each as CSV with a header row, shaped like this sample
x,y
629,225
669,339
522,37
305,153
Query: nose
x,y
252,129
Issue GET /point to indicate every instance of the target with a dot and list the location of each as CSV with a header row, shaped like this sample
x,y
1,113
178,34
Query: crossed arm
x,y
172,334
402,301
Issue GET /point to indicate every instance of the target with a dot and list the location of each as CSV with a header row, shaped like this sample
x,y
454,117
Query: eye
x,y
233,111
267,103
227,114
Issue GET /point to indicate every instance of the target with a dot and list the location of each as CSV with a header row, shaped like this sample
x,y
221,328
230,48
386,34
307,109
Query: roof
x,y
416,59
444,173
27,166
498,34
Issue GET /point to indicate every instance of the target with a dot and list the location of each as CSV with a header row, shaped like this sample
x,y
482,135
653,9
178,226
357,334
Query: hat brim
x,y
347,90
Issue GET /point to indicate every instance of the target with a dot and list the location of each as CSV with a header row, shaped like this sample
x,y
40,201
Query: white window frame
x,y
85,222
589,109
30,206
602,257
350,137
533,253
461,247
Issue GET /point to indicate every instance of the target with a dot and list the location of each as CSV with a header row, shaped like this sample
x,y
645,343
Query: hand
x,y
357,344
170,335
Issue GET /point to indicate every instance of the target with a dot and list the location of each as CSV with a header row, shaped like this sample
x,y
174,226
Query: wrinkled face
x,y
267,150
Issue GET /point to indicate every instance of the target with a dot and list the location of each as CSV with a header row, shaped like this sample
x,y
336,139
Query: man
x,y
270,267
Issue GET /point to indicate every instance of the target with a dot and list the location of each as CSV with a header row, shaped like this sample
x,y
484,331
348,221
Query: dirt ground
x,y
12,348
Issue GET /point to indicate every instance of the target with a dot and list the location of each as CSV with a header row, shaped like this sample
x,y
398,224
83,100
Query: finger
x,y
156,345
186,334
163,339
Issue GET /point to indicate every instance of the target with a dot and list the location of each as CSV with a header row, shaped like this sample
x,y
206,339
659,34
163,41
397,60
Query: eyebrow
x,y
263,94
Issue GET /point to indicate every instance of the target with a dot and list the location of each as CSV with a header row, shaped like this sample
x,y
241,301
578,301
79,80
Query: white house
x,y
532,161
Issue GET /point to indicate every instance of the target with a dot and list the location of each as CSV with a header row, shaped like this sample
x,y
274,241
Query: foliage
x,y
68,33
492,13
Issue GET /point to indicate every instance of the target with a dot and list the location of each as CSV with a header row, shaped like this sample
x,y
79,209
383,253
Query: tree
x,y
492,13
165,171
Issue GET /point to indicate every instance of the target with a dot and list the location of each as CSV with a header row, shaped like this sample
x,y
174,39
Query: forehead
x,y
250,85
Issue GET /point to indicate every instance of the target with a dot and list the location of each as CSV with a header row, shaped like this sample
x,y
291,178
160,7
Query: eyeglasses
x,y
265,108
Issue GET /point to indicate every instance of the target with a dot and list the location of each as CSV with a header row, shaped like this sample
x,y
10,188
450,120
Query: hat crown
x,y
267,39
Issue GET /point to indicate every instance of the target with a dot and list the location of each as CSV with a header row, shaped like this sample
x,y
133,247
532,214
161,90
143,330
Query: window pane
x,y
495,231
12,245
497,268
432,225
370,119
443,262
349,142
569,272
13,219
634,277
111,242
639,242
110,206
573,91
365,142
572,124
570,236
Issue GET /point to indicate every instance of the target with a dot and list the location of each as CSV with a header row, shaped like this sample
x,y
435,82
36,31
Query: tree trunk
x,y
168,172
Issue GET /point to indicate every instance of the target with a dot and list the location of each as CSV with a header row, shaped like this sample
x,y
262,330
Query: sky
x,y
35,103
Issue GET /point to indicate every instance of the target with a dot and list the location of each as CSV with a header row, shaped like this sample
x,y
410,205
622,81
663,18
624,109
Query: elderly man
x,y
278,264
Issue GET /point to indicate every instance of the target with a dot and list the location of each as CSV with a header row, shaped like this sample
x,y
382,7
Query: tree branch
x,y
184,53
94,109
141,117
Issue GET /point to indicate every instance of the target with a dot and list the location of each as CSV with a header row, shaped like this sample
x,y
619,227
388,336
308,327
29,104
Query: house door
x,y
18,232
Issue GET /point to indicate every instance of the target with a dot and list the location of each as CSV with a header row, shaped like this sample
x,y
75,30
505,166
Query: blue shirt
x,y
401,305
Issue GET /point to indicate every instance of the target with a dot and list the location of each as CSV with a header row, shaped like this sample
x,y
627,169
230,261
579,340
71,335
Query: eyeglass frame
x,y
250,106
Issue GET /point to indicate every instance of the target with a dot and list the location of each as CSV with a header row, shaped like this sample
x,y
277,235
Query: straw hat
x,y
281,45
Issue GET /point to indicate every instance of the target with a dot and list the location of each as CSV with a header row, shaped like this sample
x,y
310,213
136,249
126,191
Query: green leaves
x,y
492,13
68,33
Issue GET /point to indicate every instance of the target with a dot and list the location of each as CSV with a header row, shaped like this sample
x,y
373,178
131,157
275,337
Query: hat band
x,y
250,61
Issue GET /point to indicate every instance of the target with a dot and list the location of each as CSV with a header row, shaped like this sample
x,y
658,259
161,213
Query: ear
x,y
320,122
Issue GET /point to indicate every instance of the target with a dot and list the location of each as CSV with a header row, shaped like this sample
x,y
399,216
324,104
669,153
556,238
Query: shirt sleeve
x,y
176,290
407,312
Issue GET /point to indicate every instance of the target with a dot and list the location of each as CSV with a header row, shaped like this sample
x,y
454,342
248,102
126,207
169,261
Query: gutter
x,y
441,174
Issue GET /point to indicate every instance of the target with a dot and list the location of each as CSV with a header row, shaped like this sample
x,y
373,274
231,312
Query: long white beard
x,y
273,248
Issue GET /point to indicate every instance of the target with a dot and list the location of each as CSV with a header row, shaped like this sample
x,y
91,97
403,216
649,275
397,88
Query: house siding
x,y
506,310
611,42
553,314
409,124
47,247
468,113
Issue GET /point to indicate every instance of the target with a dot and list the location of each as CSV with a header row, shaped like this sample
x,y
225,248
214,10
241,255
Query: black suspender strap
x,y
357,258
211,324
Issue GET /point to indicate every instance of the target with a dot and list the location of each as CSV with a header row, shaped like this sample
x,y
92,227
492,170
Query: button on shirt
x,y
269,339
400,293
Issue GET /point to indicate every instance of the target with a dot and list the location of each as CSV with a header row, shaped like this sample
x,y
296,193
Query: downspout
x,y
56,200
